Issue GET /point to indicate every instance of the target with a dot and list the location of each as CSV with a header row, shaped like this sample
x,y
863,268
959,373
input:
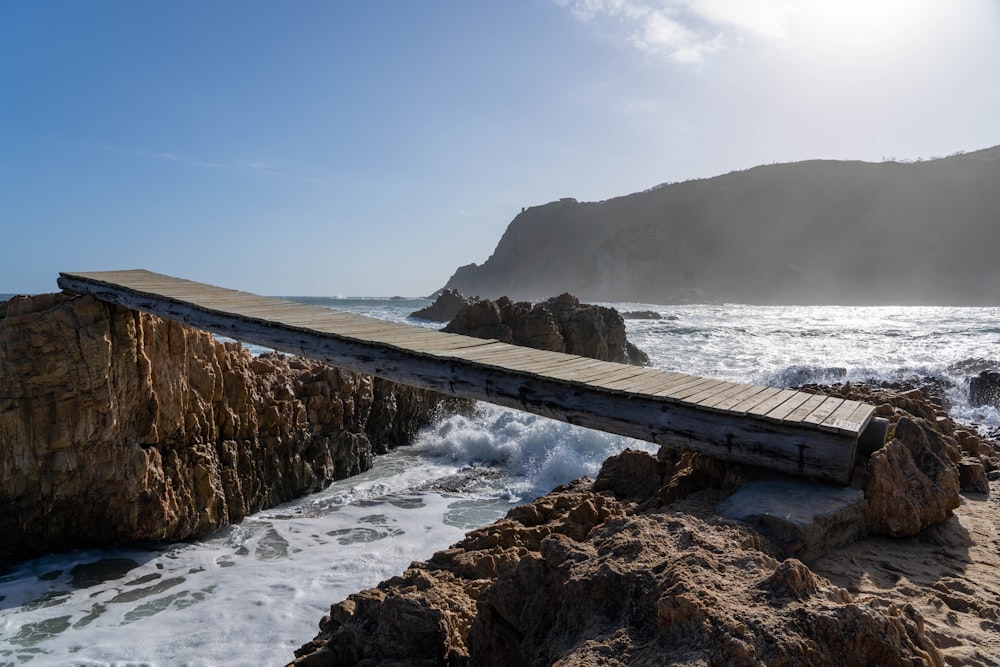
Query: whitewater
x,y
253,592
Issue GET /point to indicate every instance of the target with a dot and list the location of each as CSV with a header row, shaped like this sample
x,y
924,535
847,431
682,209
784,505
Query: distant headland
x,y
814,232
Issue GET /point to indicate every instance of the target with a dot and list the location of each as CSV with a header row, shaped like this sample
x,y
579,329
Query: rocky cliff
x,y
815,232
637,567
117,426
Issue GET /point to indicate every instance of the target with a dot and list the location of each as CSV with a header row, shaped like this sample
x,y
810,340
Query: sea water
x,y
251,593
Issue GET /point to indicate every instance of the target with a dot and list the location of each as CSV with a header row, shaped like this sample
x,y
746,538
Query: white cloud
x,y
687,31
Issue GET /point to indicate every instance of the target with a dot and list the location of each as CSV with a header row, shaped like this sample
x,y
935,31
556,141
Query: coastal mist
x,y
253,592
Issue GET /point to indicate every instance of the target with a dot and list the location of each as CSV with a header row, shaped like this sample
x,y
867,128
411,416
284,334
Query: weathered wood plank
x,y
825,409
771,403
841,420
782,411
742,407
726,404
799,413
645,382
671,408
714,392
682,389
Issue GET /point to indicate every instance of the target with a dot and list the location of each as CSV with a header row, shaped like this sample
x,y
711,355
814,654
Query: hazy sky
x,y
370,148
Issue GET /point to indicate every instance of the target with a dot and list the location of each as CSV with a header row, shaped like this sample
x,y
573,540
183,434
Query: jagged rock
x,y
448,303
984,389
972,476
576,579
913,481
632,474
117,426
560,324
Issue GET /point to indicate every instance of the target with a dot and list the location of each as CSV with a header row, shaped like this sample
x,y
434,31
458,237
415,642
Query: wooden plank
x,y
862,416
771,403
799,413
626,372
825,409
841,420
550,384
652,377
685,388
782,411
755,400
713,392
727,403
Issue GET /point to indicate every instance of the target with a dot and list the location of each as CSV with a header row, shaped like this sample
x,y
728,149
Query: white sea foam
x,y
252,593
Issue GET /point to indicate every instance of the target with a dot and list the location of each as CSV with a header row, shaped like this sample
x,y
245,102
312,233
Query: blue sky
x,y
370,148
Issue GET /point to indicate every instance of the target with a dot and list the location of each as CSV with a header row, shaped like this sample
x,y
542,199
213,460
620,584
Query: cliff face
x,y
119,426
813,232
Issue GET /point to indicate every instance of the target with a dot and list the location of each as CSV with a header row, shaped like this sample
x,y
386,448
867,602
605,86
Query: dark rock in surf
x,y
984,389
445,307
560,324
641,315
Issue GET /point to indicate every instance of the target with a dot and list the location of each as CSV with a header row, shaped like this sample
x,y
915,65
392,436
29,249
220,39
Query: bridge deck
x,y
784,429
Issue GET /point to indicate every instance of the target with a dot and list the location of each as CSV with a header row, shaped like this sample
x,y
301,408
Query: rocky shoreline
x,y
637,567
120,427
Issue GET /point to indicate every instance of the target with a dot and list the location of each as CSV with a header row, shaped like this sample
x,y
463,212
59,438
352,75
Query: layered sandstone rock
x,y
560,324
119,426
637,567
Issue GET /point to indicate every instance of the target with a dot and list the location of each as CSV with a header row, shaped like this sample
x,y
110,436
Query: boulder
x,y
984,389
802,518
560,324
445,306
913,481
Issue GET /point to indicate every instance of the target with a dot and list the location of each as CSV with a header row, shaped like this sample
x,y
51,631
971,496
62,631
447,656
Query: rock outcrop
x,y
560,324
447,304
117,426
637,567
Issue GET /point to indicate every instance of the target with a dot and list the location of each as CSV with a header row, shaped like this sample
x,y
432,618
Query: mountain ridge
x,y
811,232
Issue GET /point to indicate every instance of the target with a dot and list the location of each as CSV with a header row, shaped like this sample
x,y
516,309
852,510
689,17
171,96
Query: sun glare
x,y
868,29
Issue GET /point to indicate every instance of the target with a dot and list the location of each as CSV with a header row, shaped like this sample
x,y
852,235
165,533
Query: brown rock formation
x,y
637,568
560,324
912,481
119,426
576,578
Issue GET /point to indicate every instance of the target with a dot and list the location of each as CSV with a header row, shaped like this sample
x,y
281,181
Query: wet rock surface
x,y
637,567
560,324
984,389
117,426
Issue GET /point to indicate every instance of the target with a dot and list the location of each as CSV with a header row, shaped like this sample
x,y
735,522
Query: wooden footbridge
x,y
783,429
